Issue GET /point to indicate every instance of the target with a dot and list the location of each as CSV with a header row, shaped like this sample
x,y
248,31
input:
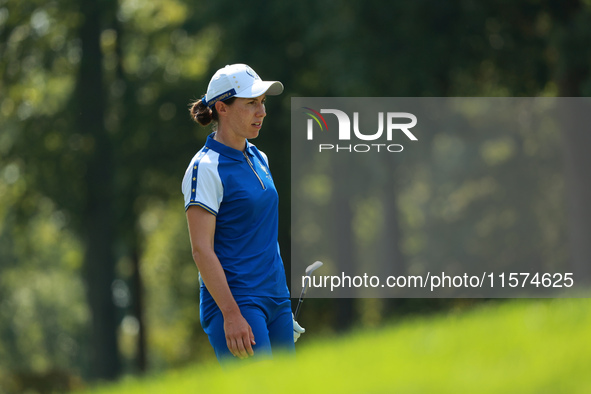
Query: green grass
x,y
523,346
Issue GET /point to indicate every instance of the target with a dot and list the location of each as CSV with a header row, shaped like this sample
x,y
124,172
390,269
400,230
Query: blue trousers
x,y
269,318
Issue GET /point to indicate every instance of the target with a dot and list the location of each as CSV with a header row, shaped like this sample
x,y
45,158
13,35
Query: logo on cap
x,y
251,72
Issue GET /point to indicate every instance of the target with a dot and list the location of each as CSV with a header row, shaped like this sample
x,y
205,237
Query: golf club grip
x,y
297,312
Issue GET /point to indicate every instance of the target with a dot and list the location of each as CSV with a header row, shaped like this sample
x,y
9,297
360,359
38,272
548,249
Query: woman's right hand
x,y
239,336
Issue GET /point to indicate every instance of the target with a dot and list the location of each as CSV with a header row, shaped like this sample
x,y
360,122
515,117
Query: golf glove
x,y
297,330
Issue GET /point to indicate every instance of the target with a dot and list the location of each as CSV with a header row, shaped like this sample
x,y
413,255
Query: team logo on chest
x,y
265,170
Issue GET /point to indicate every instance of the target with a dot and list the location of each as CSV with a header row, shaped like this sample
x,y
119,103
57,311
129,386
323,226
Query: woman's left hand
x,y
297,330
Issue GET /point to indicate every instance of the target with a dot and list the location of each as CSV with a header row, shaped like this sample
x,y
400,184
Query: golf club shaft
x,y
297,311
302,295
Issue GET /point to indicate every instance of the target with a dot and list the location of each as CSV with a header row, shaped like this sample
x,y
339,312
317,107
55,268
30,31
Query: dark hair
x,y
203,114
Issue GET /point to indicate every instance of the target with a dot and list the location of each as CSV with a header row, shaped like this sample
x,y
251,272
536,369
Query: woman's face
x,y
244,117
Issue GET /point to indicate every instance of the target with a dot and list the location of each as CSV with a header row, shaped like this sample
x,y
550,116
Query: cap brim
x,y
270,88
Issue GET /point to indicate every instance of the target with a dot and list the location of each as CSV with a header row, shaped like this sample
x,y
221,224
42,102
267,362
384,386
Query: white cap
x,y
238,80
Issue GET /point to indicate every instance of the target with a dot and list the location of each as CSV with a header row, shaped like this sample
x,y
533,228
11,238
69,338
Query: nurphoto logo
x,y
392,128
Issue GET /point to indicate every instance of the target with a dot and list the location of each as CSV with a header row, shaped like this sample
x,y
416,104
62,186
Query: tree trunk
x,y
138,311
574,71
99,259
576,140
345,247
393,263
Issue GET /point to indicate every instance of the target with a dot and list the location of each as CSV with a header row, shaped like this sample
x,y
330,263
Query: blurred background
x,y
96,275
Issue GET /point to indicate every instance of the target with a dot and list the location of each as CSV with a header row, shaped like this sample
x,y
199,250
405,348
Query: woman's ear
x,y
221,107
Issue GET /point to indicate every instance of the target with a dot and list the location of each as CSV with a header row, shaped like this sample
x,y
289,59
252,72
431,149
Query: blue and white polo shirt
x,y
238,189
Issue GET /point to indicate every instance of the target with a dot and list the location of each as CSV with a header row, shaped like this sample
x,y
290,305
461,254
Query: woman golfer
x,y
231,207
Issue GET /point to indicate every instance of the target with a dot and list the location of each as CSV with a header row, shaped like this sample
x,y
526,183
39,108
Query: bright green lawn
x,y
527,346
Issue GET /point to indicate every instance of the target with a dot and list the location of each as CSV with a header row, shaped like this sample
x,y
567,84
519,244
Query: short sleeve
x,y
265,158
202,185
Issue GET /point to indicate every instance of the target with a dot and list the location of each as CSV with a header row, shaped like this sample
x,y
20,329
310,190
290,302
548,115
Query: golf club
x,y
311,268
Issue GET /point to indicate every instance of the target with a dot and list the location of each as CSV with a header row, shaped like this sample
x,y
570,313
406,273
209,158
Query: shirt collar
x,y
225,150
